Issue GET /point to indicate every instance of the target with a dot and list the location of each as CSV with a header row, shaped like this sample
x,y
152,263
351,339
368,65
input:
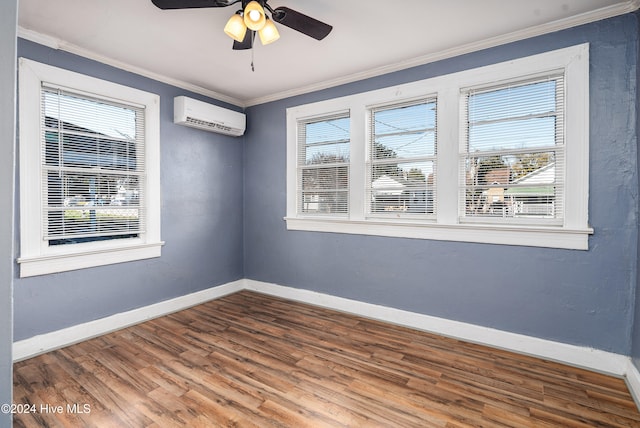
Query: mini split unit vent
x,y
197,114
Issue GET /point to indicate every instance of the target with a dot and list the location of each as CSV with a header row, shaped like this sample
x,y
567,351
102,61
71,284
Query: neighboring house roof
x,y
385,185
544,175
114,152
537,183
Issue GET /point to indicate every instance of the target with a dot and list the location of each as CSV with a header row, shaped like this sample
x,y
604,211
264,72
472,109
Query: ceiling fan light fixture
x,y
235,28
269,33
254,16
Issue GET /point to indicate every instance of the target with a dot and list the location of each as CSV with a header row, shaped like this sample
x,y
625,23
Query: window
x,y
92,164
89,171
323,165
513,163
401,159
497,154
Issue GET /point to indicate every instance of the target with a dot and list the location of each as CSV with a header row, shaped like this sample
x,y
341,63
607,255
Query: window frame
x,y
557,149
448,89
301,168
426,158
37,257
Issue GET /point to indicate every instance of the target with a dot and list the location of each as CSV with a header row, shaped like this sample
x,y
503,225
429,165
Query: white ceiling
x,y
188,48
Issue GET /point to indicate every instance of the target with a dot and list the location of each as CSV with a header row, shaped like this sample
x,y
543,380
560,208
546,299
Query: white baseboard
x,y
632,376
588,358
40,344
577,356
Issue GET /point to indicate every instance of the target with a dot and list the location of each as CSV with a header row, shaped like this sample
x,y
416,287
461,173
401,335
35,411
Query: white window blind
x,y
512,165
92,168
402,159
323,165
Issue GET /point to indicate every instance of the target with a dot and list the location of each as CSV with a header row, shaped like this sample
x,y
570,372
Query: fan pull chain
x,y
252,67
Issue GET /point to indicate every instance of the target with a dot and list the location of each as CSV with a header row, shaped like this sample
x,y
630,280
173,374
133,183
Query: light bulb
x,y
254,17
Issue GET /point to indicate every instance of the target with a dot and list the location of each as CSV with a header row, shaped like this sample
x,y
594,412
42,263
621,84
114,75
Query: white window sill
x,y
54,263
532,236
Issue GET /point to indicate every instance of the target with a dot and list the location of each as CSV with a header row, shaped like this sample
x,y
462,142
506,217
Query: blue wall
x,y
577,297
635,351
8,26
201,178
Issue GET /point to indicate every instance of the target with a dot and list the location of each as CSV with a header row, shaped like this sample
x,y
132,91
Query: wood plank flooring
x,y
250,360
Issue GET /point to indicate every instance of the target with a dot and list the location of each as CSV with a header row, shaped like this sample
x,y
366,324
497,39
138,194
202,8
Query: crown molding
x,y
538,30
59,44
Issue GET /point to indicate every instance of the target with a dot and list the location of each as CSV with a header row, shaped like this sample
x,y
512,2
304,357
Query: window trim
x,y
36,256
572,234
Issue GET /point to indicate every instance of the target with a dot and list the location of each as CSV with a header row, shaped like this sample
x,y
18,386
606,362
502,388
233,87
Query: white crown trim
x,y
538,30
59,44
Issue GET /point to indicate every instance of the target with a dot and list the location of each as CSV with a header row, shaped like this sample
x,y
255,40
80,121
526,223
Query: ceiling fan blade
x,y
188,4
301,22
247,43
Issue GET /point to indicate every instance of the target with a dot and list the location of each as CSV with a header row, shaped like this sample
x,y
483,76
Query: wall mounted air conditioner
x,y
201,115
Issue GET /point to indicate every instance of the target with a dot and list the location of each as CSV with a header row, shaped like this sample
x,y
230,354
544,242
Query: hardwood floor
x,y
249,360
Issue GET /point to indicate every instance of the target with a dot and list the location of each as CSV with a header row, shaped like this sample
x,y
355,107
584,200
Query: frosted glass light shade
x,y
235,28
269,33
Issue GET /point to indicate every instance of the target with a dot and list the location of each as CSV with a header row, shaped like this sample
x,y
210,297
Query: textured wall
x,y
576,297
8,26
201,178
635,351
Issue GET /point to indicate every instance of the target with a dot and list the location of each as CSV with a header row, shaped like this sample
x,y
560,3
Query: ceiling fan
x,y
251,19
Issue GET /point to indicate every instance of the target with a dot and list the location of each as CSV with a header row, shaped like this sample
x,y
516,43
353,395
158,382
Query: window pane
x,y
514,117
513,167
91,207
516,186
403,187
402,159
91,169
405,132
323,165
516,100
327,141
324,202
75,113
